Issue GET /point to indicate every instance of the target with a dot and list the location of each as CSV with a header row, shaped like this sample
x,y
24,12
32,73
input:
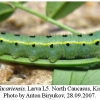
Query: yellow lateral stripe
x,y
47,44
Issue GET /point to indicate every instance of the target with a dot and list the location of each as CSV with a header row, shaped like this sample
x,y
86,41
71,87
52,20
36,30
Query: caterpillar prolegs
x,y
50,47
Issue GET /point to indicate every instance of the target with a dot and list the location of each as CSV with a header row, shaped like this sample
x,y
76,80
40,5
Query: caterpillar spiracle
x,y
50,47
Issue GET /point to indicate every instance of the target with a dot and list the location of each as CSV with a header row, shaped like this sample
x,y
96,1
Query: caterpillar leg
x,y
33,58
15,55
98,56
2,50
53,57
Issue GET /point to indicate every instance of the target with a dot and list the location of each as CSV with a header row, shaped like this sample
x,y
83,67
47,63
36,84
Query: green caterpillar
x,y
50,47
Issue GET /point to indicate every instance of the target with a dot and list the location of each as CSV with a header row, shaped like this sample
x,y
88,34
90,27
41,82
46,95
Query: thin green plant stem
x,y
48,19
82,63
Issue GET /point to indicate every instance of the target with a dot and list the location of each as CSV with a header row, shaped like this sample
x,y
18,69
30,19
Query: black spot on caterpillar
x,y
64,35
80,35
17,34
90,34
3,33
45,47
97,42
67,44
16,44
33,45
1,41
83,44
51,45
32,36
49,36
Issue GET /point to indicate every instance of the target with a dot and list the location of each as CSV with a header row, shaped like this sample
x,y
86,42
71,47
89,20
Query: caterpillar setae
x,y
50,47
